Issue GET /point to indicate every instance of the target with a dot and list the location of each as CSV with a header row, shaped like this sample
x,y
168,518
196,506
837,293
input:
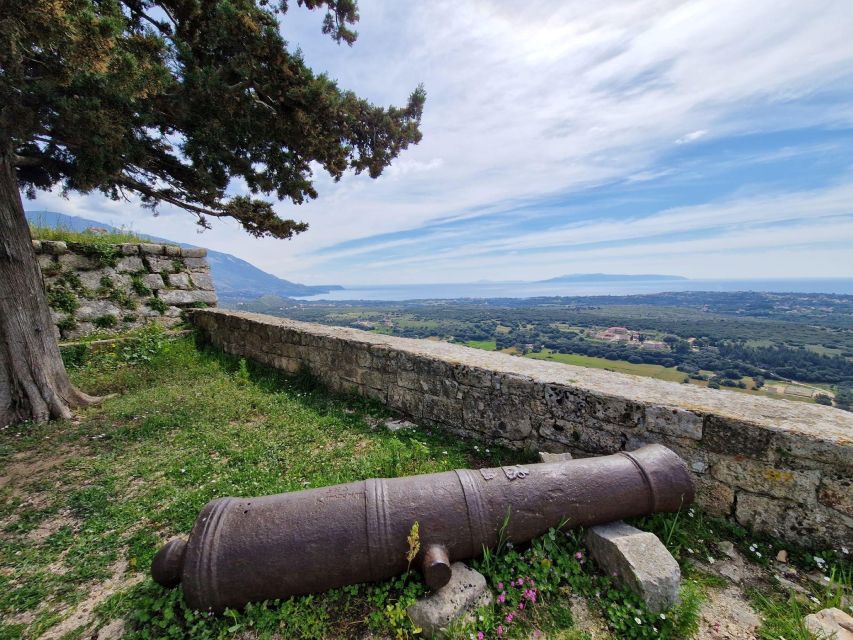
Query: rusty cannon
x,y
243,550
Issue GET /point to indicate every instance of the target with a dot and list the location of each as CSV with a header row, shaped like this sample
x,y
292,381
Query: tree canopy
x,y
175,100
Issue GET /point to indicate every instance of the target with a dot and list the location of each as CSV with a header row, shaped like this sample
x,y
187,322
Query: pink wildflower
x,y
500,586
501,598
509,617
500,630
480,635
521,605
579,556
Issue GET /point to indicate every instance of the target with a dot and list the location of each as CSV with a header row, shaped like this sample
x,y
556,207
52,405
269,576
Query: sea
x,y
399,292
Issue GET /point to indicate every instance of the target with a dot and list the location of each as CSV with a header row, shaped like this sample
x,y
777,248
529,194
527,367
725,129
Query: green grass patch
x,y
488,345
62,234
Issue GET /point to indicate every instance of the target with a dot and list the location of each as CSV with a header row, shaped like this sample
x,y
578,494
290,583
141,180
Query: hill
x,y
233,277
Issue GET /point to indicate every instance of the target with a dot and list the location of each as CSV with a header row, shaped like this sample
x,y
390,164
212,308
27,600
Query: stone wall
x,y
776,466
98,286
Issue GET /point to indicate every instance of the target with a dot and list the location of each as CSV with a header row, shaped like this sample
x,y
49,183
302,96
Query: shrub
x,y
62,299
139,286
107,321
156,304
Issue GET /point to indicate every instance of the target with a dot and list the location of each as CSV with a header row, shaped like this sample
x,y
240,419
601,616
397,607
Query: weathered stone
x,y
544,456
466,592
639,560
831,624
152,249
159,264
46,261
788,520
76,262
674,421
180,281
154,281
173,250
178,297
130,264
193,252
716,498
203,281
80,330
91,309
397,425
37,246
129,249
800,486
837,493
196,264
54,247
727,549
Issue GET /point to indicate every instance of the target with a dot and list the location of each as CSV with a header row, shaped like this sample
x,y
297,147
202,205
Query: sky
x,y
707,139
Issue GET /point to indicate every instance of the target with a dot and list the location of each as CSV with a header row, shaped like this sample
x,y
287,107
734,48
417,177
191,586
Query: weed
x,y
138,285
156,304
107,321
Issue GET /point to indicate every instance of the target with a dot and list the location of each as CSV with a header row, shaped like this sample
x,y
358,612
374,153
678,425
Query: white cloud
x,y
692,136
526,101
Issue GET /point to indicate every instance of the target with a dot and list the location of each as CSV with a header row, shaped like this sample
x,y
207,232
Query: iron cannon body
x,y
243,550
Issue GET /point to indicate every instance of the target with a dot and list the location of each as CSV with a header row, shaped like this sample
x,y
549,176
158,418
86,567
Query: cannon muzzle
x,y
243,550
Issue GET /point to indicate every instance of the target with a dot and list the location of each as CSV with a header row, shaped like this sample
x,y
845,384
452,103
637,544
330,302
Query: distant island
x,y
612,277
235,279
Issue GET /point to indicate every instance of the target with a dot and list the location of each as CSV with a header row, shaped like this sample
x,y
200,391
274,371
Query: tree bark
x,y
33,382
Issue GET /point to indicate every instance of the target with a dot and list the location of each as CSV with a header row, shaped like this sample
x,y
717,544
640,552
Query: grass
x,y
647,370
487,345
90,500
87,237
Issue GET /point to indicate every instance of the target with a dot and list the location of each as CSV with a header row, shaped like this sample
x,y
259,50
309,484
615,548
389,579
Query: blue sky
x,y
705,139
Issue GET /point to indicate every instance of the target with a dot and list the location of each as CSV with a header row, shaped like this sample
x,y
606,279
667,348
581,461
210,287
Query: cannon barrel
x,y
243,550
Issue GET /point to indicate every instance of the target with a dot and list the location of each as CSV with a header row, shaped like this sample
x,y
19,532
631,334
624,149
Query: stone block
x,y
76,262
193,252
180,298
674,421
837,493
180,281
54,247
92,279
91,309
37,246
832,624
736,437
152,249
466,592
714,497
197,264
129,249
45,260
800,486
203,281
130,264
639,561
173,250
154,281
159,264
790,521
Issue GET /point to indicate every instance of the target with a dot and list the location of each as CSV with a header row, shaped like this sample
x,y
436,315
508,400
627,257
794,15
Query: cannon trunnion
x,y
245,550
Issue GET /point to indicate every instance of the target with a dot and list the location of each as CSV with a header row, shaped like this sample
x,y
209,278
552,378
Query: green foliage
x,y
68,323
139,286
40,231
156,304
107,321
62,298
95,93
51,269
100,253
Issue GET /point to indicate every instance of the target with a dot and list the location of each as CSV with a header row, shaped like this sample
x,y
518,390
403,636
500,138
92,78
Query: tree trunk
x,y
33,382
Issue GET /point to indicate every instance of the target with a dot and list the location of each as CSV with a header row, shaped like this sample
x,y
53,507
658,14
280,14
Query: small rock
x,y
113,631
640,561
782,556
544,456
830,623
731,571
397,425
728,549
466,592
